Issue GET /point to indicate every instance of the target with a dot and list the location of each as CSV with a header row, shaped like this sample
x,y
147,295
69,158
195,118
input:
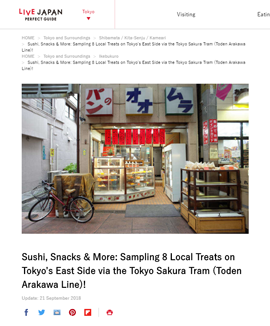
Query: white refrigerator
x,y
175,159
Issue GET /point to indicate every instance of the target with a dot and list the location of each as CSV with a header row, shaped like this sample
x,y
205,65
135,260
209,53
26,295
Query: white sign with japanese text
x,y
98,101
139,101
179,100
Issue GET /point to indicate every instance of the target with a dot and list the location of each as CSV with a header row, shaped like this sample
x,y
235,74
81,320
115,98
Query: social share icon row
x,y
72,312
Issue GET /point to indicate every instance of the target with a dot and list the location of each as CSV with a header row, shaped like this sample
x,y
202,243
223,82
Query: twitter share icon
x,y
41,312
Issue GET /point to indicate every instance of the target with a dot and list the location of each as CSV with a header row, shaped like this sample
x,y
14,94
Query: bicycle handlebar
x,y
50,186
46,183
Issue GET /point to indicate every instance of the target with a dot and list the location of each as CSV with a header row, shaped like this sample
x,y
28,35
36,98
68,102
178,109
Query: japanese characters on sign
x,y
213,130
122,137
205,133
115,137
179,100
135,137
142,136
139,101
98,101
162,136
148,136
128,137
108,137
155,136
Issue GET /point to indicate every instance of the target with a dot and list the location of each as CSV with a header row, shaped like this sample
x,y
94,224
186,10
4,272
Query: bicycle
x,y
80,208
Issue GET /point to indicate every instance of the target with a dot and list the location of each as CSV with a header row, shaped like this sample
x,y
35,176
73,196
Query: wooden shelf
x,y
213,184
210,218
213,198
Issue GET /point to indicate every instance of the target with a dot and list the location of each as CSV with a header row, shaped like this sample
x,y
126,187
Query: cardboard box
x,y
244,199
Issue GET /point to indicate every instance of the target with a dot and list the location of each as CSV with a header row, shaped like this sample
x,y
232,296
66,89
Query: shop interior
x,y
131,172
150,155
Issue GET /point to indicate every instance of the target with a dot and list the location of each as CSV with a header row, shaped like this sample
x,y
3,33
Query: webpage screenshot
x,y
125,138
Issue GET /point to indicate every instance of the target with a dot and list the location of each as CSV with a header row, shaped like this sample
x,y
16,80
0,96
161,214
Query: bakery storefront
x,y
126,134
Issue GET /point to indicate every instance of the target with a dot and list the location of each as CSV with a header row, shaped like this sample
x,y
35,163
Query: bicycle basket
x,y
39,192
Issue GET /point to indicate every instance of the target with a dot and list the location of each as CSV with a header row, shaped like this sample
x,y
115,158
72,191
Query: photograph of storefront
x,y
138,123
135,139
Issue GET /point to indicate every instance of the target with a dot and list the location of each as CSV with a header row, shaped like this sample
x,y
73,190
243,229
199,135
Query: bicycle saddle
x,y
69,191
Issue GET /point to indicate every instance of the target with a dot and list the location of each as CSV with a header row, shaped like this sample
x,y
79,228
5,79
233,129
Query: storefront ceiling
x,y
167,126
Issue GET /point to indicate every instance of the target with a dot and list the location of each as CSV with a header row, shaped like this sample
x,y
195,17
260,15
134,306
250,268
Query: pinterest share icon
x,y
72,312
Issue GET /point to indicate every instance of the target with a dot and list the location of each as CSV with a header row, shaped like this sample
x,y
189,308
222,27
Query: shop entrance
x,y
142,165
157,160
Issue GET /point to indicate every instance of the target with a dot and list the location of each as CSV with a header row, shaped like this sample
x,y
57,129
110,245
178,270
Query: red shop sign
x,y
121,137
135,137
162,136
108,137
142,136
128,136
115,137
155,137
213,130
148,137
205,133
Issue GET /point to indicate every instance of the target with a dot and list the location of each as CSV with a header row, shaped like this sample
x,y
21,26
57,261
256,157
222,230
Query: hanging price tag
x,y
135,137
155,137
162,136
115,137
142,136
148,137
107,137
121,137
128,137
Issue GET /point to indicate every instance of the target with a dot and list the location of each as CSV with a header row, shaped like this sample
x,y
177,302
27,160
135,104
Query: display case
x,y
211,201
175,159
116,183
109,174
140,182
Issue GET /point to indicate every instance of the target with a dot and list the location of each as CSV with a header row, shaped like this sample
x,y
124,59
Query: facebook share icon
x,y
26,312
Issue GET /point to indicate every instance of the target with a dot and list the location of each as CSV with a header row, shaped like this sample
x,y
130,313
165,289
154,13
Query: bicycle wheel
x,y
41,209
81,209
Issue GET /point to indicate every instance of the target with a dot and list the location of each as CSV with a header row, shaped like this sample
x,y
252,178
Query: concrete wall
x,y
119,102
34,166
31,162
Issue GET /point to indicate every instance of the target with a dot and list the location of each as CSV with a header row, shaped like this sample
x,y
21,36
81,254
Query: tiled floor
x,y
159,199
113,221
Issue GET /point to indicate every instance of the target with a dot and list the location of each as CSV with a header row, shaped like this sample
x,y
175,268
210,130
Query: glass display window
x,y
103,162
233,140
227,129
245,153
109,174
109,181
246,129
139,179
229,151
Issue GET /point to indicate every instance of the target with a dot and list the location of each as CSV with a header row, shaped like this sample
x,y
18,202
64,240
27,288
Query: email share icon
x,y
87,312
57,312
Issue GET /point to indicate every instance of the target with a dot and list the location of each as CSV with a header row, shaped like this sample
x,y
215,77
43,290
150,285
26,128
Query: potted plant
x,y
71,168
110,152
